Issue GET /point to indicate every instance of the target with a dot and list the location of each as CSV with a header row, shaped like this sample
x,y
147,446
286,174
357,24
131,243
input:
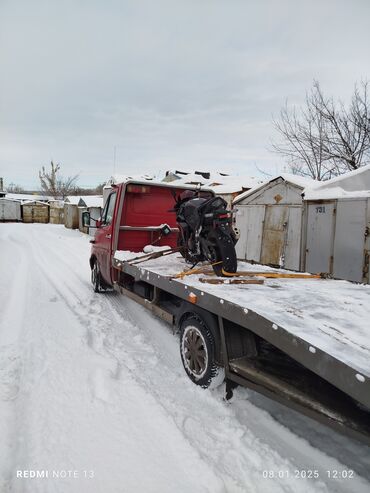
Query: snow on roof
x,y
358,179
219,183
72,199
334,193
350,185
27,196
206,174
56,203
115,179
34,202
91,201
299,181
85,200
8,199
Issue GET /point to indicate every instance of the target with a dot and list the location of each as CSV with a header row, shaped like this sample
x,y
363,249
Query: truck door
x,y
103,238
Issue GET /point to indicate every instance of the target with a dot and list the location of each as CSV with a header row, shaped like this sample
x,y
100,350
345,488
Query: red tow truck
x,y
267,337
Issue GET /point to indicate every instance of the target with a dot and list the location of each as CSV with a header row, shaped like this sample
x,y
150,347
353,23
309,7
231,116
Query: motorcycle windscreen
x,y
192,212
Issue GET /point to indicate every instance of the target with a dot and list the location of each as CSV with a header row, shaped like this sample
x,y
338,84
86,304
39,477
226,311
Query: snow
x,y
72,199
220,184
92,382
358,179
334,193
154,248
29,196
91,201
117,178
328,314
85,200
354,184
299,181
34,202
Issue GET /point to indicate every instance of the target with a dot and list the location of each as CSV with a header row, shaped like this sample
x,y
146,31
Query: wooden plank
x,y
272,275
231,281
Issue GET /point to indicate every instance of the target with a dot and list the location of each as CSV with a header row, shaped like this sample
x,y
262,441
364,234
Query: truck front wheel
x,y
197,348
96,277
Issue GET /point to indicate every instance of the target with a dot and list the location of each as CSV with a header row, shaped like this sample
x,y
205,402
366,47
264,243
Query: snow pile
x,y
154,248
323,193
355,184
126,255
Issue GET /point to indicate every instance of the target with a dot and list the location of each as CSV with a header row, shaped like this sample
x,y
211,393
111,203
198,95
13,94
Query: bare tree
x,y
53,184
14,188
324,138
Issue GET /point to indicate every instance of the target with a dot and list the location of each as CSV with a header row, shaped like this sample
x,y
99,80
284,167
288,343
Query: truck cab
x,y
136,214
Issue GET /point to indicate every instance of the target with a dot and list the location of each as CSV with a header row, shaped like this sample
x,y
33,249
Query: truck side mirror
x,y
86,219
165,230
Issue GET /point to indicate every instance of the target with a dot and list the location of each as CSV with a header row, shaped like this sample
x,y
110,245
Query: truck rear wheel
x,y
197,349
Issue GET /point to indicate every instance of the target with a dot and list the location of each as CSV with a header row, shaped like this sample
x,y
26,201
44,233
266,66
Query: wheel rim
x,y
195,352
213,253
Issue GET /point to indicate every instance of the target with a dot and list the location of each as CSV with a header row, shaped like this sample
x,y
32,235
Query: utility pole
x,y
114,159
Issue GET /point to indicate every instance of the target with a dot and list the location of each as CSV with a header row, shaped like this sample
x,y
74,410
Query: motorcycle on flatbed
x,y
206,232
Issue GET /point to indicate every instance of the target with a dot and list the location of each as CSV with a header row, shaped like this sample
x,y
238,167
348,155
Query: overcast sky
x,y
177,83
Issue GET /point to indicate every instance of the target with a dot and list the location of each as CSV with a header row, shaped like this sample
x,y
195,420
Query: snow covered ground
x,y
92,386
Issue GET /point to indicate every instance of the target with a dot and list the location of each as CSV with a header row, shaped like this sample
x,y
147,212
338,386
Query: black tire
x,y
197,349
223,252
180,244
96,278
184,250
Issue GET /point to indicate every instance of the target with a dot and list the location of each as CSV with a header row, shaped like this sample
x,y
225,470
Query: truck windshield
x,y
109,209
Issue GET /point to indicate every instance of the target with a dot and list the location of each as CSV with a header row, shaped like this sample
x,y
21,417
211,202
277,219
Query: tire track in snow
x,y
242,440
81,309
13,308
132,359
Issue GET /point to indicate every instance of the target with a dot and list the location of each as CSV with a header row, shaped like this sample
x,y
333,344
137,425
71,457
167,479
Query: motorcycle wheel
x,y
181,245
223,253
184,250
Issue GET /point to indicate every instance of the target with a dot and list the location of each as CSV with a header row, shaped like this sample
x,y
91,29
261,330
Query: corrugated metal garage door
x,y
349,242
320,231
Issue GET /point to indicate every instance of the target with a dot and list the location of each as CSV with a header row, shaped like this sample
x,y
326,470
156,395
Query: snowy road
x,y
92,386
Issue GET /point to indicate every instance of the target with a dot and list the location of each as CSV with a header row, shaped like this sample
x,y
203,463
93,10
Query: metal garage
x,y
92,204
337,219
34,211
269,218
10,210
56,212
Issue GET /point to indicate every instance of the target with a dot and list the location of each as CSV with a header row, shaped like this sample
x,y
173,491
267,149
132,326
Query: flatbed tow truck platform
x,y
302,342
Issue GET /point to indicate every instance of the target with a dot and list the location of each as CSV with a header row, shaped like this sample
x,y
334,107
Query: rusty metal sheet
x,y
249,220
274,234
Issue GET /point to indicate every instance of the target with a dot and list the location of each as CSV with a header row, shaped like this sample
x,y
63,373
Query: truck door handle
x,y
108,236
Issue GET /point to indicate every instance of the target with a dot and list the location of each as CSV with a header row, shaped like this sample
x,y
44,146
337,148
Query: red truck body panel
x,y
151,208
138,205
